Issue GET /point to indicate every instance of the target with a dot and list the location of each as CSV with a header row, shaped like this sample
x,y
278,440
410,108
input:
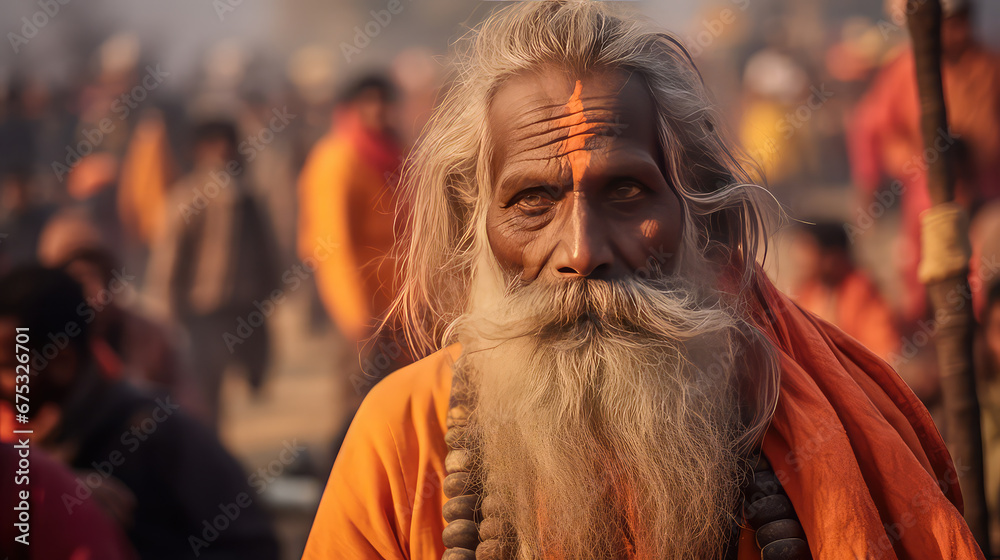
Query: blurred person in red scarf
x,y
885,139
834,289
347,204
347,211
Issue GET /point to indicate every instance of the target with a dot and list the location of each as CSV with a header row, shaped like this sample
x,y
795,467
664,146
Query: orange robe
x,y
857,308
346,220
858,455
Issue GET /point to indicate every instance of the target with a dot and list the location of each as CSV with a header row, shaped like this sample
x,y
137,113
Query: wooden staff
x,y
944,269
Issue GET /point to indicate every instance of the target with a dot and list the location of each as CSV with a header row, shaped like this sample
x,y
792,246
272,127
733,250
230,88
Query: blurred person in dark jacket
x,y
163,476
21,216
214,267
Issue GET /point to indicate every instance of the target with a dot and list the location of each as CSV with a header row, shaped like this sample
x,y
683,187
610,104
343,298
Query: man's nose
x,y
583,247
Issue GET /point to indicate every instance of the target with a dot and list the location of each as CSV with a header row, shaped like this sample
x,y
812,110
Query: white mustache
x,y
633,310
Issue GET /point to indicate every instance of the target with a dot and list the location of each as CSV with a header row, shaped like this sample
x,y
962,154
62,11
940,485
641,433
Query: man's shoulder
x,y
419,391
383,499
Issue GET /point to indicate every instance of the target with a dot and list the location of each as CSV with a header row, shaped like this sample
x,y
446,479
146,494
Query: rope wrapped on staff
x,y
944,268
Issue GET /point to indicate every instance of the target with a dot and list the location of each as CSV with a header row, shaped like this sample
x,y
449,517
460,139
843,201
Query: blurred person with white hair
x,y
608,373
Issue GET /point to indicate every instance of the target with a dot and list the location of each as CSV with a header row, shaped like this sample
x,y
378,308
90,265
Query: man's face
x,y
579,187
373,110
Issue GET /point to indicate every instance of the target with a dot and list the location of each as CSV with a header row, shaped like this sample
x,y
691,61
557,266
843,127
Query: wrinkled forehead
x,y
551,113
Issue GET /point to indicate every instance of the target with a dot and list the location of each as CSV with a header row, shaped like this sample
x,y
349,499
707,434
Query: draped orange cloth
x,y
858,455
346,219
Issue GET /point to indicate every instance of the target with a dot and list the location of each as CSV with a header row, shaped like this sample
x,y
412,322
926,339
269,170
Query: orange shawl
x,y
856,451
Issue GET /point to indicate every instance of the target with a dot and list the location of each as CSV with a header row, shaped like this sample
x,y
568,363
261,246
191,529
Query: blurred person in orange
x,y
884,138
147,172
347,204
213,267
608,373
832,288
164,477
347,214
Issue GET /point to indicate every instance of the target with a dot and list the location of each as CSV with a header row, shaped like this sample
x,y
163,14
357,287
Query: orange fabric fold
x,y
856,451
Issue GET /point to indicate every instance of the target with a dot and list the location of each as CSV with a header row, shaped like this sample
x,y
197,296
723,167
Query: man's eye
x,y
534,203
625,193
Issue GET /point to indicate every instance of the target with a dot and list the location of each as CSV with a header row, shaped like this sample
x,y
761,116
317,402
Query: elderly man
x,y
614,376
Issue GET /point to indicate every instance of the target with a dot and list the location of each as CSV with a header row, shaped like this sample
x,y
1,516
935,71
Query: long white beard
x,y
607,416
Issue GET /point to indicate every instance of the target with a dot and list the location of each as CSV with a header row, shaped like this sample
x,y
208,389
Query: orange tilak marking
x,y
573,147
649,228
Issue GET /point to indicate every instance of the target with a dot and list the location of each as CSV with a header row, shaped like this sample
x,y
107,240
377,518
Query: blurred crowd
x,y
149,237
